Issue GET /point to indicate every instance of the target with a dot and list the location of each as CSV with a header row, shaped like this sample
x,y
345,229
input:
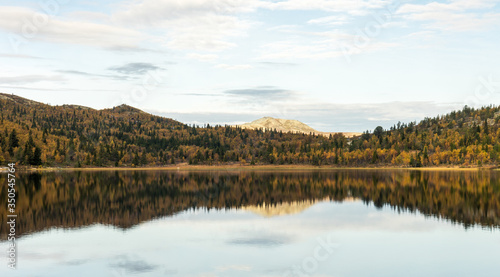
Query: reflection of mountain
x,y
270,210
287,208
124,199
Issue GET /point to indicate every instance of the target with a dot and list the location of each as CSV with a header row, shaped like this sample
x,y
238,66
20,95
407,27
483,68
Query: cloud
x,y
267,240
89,16
190,24
421,36
334,20
458,15
31,25
285,28
260,92
133,266
233,268
202,57
322,45
18,56
199,25
207,33
359,7
82,73
234,66
75,262
26,79
133,49
281,64
53,89
152,12
135,68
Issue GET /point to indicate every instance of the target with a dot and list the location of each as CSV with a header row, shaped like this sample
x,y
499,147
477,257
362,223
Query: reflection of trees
x,y
127,198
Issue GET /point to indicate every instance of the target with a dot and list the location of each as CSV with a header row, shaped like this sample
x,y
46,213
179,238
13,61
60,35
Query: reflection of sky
x,y
368,242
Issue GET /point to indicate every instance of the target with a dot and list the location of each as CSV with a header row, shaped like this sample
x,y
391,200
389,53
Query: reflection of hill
x,y
270,210
124,199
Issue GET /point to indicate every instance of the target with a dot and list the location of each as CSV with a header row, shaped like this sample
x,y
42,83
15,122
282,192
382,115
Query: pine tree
x,y
37,157
13,140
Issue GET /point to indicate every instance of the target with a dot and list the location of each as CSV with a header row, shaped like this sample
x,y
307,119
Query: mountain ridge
x,y
289,126
36,134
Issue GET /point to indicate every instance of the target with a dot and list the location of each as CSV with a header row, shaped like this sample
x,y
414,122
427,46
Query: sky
x,y
336,65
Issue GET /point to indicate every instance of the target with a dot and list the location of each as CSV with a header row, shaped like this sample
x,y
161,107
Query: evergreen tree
x,y
37,157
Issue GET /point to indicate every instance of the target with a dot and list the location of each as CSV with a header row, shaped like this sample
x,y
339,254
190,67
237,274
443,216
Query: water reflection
x,y
354,239
127,198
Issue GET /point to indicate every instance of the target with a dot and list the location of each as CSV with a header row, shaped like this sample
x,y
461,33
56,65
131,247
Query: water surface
x,y
311,223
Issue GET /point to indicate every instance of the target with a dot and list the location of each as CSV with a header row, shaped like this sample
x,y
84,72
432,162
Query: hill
x,y
34,133
37,134
283,125
288,126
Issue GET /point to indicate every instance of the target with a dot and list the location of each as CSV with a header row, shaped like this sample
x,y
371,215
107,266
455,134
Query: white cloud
x,y
205,25
190,24
89,16
18,56
31,25
233,268
333,20
202,57
151,12
200,25
234,66
421,35
323,45
26,79
395,24
184,25
451,6
205,33
353,7
459,15
284,28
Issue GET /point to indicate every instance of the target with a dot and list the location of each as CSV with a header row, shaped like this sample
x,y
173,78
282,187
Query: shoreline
x,y
185,167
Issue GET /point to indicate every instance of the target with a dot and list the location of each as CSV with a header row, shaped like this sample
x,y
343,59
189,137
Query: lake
x,y
255,223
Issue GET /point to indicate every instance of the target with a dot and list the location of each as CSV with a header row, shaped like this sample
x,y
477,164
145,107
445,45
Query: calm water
x,y
331,223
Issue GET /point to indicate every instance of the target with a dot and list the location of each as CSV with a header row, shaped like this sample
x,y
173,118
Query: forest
x,y
37,134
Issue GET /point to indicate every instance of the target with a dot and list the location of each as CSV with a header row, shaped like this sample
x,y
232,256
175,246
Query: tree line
x,y
37,134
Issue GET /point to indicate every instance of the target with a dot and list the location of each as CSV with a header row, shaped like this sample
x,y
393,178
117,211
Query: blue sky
x,y
337,65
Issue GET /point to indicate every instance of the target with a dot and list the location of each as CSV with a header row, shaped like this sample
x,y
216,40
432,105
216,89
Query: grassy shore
x,y
186,167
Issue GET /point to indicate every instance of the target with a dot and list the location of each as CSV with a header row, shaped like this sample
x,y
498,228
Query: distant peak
x,y
122,106
18,99
126,108
79,107
284,125
289,126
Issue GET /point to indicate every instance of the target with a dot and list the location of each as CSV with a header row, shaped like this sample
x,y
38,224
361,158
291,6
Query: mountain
x,y
288,126
37,134
283,125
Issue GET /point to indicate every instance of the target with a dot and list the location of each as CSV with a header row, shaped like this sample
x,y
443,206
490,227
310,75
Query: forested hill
x,y
33,133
